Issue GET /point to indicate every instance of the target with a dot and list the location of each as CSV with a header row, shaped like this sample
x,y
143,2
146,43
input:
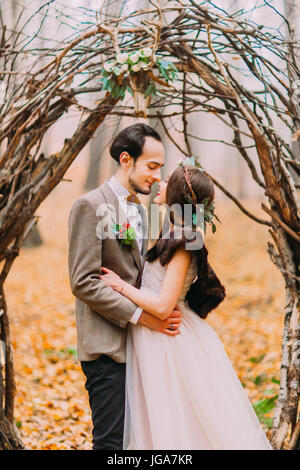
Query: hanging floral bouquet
x,y
116,73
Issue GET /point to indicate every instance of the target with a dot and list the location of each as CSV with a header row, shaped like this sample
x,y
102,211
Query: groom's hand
x,y
169,326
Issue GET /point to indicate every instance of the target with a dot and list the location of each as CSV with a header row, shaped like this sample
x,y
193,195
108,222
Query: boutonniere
x,y
125,233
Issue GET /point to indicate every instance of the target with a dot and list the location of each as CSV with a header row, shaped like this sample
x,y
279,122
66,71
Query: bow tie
x,y
133,199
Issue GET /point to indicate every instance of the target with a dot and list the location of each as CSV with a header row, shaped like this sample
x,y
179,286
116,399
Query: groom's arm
x,y
85,259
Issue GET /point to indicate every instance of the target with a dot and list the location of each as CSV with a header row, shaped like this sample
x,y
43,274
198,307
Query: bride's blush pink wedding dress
x,y
182,392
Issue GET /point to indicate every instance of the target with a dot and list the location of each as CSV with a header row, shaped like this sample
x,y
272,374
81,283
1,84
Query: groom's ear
x,y
126,160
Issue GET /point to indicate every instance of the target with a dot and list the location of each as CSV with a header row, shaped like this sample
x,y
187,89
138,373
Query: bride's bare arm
x,y
158,305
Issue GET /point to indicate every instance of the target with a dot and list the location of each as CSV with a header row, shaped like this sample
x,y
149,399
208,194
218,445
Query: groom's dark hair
x,y
132,140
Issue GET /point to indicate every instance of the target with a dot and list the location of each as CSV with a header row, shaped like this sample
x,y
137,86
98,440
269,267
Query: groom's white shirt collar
x,y
118,188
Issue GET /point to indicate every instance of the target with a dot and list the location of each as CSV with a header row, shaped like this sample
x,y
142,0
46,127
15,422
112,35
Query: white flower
x,y
134,58
189,161
136,68
108,66
148,51
124,67
122,58
117,70
144,66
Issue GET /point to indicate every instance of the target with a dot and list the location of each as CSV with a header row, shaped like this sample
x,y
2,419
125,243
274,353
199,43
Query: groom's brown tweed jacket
x,y
102,314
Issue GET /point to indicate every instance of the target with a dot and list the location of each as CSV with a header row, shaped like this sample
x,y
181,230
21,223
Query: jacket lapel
x,y
112,199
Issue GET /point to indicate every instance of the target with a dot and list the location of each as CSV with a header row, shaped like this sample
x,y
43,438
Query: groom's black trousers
x,y
106,387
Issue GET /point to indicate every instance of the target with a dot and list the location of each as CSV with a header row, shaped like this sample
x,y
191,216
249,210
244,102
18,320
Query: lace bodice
x,y
153,275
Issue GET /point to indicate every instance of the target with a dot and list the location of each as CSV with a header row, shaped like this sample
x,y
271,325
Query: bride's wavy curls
x,y
206,292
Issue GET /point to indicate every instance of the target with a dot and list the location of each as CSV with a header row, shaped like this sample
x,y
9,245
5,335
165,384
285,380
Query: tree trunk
x,y
9,436
285,417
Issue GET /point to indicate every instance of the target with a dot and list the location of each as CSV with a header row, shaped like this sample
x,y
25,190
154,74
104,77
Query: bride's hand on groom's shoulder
x,y
112,279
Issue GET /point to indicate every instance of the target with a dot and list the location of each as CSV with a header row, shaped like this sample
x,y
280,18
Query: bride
x,y
181,391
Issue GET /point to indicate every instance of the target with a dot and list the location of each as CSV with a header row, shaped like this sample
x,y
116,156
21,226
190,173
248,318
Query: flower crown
x,y
209,207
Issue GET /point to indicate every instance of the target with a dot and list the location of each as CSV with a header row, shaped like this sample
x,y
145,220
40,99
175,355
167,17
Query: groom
x,y
103,314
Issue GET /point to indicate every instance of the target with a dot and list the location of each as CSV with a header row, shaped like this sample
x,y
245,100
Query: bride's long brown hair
x,y
206,292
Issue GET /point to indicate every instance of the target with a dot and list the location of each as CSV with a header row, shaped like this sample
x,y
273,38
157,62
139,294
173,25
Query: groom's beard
x,y
136,187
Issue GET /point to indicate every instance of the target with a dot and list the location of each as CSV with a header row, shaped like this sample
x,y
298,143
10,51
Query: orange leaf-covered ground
x,y
52,409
